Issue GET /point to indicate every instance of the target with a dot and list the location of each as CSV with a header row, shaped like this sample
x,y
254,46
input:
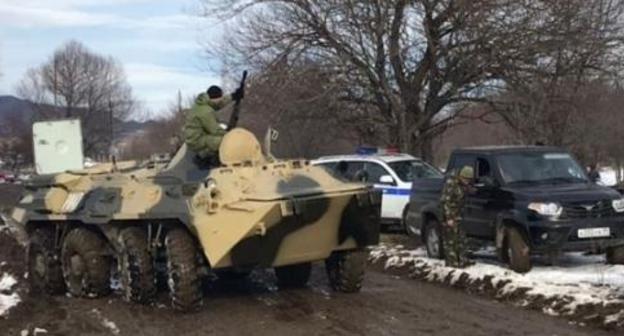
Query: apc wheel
x,y
44,263
233,275
345,270
136,266
615,255
183,277
293,276
517,251
433,239
86,264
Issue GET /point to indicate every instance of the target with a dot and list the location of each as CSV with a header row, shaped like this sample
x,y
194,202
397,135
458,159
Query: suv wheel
x,y
615,255
518,252
433,240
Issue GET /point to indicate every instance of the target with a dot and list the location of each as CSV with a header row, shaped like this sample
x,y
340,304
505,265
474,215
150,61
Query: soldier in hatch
x,y
452,202
202,132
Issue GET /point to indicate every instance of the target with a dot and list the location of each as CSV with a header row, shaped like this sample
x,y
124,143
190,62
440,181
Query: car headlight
x,y
618,205
547,209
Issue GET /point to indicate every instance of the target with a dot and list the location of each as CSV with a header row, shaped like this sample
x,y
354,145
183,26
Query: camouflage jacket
x,y
202,132
452,199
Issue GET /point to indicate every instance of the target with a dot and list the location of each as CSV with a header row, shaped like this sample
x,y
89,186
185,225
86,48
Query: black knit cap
x,y
214,92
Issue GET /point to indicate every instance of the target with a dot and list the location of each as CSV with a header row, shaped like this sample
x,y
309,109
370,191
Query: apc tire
x,y
615,255
183,278
44,263
233,275
293,276
433,239
518,252
136,266
345,270
86,264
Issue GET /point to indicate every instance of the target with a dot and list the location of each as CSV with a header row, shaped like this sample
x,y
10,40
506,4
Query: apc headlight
x,y
547,209
211,185
618,205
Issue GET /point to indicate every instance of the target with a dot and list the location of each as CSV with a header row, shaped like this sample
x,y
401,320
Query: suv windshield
x,y
540,168
409,170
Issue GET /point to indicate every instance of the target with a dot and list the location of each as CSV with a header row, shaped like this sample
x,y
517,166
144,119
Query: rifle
x,y
236,110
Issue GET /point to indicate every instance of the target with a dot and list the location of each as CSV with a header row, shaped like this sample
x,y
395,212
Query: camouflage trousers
x,y
455,246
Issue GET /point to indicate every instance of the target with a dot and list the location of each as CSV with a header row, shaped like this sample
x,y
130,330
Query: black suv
x,y
525,200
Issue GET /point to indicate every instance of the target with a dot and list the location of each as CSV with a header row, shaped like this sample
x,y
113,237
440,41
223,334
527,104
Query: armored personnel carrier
x,y
251,211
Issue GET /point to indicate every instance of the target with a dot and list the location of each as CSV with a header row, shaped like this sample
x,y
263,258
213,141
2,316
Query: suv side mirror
x,y
386,179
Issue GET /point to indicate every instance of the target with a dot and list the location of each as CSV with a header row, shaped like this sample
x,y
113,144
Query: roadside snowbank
x,y
105,322
581,288
8,297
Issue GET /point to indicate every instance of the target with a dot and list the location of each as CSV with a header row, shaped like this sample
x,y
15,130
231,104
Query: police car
x,y
387,170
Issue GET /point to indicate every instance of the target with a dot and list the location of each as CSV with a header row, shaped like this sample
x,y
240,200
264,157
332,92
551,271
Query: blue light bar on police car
x,y
365,150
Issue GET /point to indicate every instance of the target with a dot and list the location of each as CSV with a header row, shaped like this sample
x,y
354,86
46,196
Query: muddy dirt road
x,y
387,306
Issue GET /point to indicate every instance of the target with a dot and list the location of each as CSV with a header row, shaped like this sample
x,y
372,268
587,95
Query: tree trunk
x,y
404,139
426,148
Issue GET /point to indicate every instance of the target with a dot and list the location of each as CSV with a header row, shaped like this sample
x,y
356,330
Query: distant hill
x,y
13,108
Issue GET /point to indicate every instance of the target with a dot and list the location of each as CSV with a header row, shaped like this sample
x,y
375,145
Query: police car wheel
x,y
433,240
410,230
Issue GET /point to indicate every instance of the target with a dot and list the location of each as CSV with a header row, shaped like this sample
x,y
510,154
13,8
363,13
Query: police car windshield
x,y
538,168
409,170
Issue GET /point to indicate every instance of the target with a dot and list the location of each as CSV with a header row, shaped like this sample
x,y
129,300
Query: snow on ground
x,y
580,287
608,176
8,298
106,323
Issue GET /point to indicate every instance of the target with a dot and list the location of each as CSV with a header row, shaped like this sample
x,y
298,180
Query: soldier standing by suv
x,y
202,132
452,202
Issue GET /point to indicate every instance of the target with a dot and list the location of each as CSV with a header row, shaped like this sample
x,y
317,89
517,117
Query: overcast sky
x,y
157,41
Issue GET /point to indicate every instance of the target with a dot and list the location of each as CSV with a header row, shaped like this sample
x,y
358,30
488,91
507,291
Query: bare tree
x,y
403,69
162,135
77,83
569,46
599,134
401,65
16,144
302,104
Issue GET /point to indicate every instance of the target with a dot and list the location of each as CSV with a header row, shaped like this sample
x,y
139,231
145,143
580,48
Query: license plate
x,y
594,232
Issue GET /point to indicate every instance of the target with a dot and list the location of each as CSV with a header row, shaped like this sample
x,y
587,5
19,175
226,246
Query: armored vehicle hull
x,y
248,212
